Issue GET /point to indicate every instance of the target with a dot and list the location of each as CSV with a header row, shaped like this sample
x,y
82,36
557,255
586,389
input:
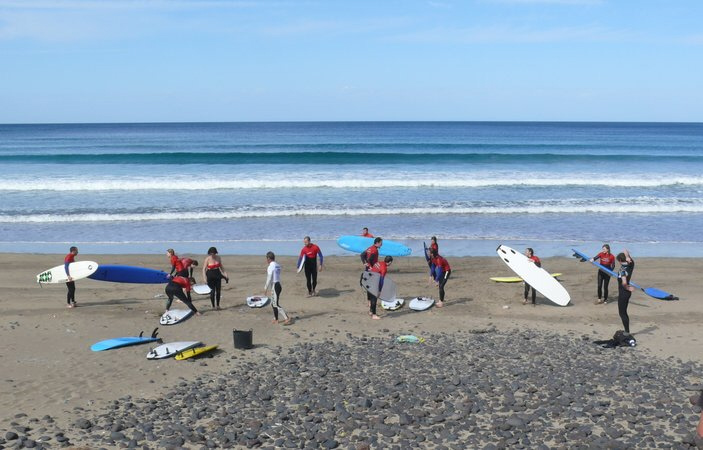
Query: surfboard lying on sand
x,y
535,276
174,316
78,270
257,302
358,244
129,274
369,281
516,279
392,305
421,303
171,349
119,342
201,289
652,292
194,352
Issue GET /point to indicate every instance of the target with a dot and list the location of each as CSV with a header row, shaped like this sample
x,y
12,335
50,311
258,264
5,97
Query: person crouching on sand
x,y
273,284
180,287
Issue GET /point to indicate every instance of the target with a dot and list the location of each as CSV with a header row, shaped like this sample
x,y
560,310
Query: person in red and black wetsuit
x,y
179,287
606,259
441,269
310,252
187,265
531,256
70,284
370,256
365,233
176,265
214,273
380,267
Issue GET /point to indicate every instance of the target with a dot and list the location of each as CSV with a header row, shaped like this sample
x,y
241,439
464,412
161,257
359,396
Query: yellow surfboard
x,y
516,279
197,351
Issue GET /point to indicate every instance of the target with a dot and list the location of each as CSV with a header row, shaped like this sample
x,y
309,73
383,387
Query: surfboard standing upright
x,y
535,276
369,281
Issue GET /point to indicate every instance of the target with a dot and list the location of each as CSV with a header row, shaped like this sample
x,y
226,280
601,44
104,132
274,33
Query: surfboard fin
x,y
141,333
155,332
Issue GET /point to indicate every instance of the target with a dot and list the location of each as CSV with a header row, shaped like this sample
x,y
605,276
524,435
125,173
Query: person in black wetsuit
x,y
214,273
627,266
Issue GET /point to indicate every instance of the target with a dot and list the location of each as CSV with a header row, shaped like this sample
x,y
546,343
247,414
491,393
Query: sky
x,y
82,61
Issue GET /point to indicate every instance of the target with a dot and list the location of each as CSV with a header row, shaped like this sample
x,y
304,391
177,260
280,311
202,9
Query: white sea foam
x,y
615,207
314,181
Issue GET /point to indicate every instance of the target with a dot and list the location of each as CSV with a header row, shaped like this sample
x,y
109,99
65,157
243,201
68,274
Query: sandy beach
x,y
48,368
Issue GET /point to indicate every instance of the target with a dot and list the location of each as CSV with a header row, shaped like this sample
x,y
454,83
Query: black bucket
x,y
243,339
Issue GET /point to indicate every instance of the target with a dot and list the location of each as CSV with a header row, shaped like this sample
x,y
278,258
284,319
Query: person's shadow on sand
x,y
332,292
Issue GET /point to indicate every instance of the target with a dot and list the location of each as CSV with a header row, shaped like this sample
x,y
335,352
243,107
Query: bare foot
x,y
218,308
198,313
288,321
274,321
524,302
375,317
69,306
440,304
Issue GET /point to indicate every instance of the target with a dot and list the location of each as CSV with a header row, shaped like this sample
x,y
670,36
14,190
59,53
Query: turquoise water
x,y
123,188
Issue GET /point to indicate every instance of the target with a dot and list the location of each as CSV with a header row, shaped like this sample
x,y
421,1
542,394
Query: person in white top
x,y
273,284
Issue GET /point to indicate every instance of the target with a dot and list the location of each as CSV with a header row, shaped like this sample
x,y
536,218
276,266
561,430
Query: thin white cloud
x,y
512,35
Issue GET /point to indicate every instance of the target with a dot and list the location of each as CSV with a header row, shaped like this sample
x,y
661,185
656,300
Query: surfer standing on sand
x,y
370,256
70,284
531,256
213,273
273,283
627,266
180,287
605,259
381,268
440,268
310,252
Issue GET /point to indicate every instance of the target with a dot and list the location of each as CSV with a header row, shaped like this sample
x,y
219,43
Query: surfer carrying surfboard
x,y
605,259
381,267
530,253
180,287
309,255
370,256
70,284
213,273
273,284
440,268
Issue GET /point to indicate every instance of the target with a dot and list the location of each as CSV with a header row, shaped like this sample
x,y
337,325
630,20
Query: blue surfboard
x,y
652,292
358,244
129,274
110,344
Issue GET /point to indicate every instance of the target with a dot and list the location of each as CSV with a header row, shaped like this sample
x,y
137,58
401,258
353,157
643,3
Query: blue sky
x,y
220,60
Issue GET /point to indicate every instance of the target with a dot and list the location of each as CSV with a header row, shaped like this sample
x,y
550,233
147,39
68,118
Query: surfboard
x,y
358,244
651,291
535,276
129,274
257,302
421,303
78,270
517,279
369,281
392,305
201,289
174,316
194,352
302,264
110,344
171,349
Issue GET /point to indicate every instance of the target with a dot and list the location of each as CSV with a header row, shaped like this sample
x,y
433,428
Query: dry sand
x,y
48,368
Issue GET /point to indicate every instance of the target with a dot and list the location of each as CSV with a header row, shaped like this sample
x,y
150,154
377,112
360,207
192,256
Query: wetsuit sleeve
x,y
269,279
65,266
320,253
364,257
380,283
439,271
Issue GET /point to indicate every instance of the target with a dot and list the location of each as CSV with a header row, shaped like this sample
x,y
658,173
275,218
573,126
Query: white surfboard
x,y
535,276
370,280
257,302
78,269
174,316
201,289
421,303
302,264
171,349
392,305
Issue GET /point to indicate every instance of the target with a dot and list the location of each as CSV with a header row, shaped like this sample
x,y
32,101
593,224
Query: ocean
x,y
251,187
